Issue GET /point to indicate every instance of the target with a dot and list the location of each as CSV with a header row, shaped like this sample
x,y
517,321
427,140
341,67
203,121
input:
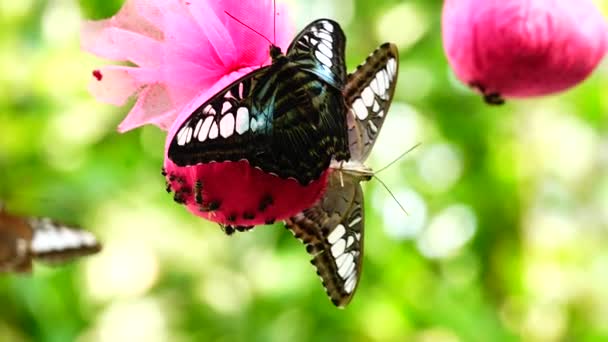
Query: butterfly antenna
x,y
249,27
392,195
397,159
274,21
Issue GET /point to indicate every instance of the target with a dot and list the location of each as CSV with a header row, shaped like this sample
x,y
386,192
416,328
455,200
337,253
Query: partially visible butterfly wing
x,y
319,48
332,231
282,119
55,243
368,93
15,237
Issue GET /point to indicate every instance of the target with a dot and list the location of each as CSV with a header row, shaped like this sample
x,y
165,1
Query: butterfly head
x,y
275,52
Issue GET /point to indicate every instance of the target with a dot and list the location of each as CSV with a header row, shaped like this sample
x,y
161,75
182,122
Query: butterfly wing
x,y
55,243
319,48
332,231
15,235
227,127
368,94
287,118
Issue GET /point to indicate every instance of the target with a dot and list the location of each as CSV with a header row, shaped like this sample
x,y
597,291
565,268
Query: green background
x,y
506,237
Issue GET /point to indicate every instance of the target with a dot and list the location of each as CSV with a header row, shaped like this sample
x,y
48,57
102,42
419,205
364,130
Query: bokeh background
x,y
506,237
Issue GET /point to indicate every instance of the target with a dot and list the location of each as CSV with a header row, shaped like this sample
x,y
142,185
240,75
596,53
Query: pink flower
x,y
521,48
180,49
185,52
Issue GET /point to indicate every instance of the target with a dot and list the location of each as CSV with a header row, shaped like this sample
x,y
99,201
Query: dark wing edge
x,y
55,243
319,48
215,131
333,231
368,93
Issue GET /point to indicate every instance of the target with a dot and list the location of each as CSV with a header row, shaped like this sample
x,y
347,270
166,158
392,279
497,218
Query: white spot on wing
x,y
189,135
328,26
340,260
227,125
368,96
197,129
349,286
336,234
360,109
349,271
325,50
354,221
202,136
392,66
350,241
254,124
213,132
381,85
375,86
346,265
373,126
376,106
323,59
242,120
338,248
325,36
226,107
181,136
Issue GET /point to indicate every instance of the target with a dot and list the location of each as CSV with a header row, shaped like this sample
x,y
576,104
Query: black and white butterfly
x,y
24,239
287,118
332,229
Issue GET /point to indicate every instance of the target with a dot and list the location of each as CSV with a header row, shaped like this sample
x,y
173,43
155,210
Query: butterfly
x,y
333,229
287,118
23,239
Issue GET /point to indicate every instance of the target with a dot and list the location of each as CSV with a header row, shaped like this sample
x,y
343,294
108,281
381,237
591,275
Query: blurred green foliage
x,y
505,238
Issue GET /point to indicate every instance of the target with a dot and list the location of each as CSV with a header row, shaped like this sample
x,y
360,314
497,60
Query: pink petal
x,y
182,47
119,44
154,106
217,34
113,85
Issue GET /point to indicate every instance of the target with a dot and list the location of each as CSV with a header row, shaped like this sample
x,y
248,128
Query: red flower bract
x,y
521,48
234,193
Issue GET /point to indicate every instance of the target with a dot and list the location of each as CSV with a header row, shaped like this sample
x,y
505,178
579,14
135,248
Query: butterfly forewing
x,y
368,94
332,231
287,118
319,48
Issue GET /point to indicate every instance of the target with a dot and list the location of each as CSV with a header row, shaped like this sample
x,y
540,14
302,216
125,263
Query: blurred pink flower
x,y
179,50
521,48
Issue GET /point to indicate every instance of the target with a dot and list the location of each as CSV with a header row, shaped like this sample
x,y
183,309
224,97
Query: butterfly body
x,y
286,118
23,240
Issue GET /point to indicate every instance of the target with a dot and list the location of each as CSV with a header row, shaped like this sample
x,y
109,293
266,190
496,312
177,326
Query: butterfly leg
x,y
229,230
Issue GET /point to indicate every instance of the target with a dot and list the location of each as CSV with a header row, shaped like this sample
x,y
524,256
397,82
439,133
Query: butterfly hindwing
x,y
337,219
332,231
368,94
